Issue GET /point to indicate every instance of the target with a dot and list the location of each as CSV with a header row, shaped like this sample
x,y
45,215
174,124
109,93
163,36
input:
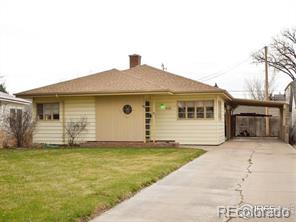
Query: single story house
x,y
10,105
290,92
140,104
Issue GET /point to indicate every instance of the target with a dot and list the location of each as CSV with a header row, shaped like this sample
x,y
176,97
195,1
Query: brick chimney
x,y
135,60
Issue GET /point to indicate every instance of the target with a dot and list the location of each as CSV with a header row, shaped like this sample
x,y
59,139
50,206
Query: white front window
x,y
48,111
203,109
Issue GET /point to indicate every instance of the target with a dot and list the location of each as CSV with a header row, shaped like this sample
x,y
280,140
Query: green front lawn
x,y
73,184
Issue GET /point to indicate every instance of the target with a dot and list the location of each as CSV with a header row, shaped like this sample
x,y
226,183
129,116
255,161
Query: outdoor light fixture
x,y
163,107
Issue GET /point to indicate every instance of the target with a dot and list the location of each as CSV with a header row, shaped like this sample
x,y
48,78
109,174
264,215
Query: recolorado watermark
x,y
248,211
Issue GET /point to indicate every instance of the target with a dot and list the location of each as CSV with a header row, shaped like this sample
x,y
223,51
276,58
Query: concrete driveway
x,y
259,172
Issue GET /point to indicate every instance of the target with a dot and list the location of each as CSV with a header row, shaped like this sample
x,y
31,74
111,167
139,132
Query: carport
x,y
235,102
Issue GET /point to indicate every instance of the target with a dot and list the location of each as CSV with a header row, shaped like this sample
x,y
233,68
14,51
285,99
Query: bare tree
x,y
74,128
282,53
20,125
255,87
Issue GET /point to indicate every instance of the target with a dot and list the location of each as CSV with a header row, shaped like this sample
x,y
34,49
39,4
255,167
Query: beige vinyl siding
x,y
106,120
221,123
72,109
82,107
48,131
167,126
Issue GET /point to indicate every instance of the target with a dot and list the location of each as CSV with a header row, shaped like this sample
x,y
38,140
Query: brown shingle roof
x,y
170,81
140,79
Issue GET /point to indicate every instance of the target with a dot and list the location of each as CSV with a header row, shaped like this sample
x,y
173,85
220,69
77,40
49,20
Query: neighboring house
x,y
278,97
10,105
138,104
290,93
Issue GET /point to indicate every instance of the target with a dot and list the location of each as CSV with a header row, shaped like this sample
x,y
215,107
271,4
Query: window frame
x,y
187,107
15,112
51,112
195,109
183,107
207,112
12,113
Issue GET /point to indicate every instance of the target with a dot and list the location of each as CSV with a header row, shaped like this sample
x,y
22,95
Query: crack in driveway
x,y
239,185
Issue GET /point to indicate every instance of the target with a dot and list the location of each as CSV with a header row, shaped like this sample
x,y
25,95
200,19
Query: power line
x,y
254,90
226,72
218,74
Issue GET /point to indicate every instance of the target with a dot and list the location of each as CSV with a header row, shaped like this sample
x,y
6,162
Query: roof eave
x,y
163,92
90,94
15,101
223,92
289,84
250,102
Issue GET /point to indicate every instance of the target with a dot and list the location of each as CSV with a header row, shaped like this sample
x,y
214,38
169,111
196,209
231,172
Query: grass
x,y
74,184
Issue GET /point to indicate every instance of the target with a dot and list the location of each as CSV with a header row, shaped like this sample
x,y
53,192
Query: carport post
x,y
284,123
266,93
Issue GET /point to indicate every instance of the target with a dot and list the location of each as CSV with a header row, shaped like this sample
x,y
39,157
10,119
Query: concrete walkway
x,y
237,172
